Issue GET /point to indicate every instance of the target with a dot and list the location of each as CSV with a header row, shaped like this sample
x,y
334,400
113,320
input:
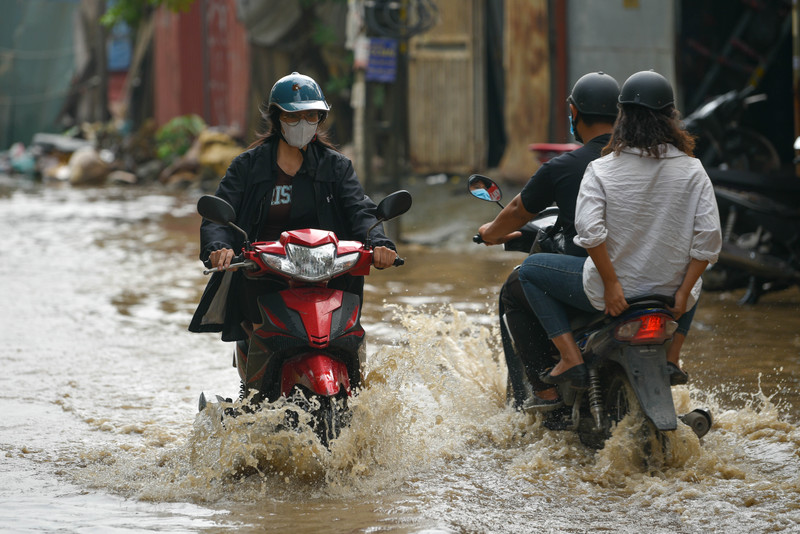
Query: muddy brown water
x,y
100,380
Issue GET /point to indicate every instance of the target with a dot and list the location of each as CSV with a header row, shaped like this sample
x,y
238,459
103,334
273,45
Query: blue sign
x,y
382,63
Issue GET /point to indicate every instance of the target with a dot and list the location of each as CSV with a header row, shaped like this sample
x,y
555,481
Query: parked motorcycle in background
x,y
723,142
760,231
626,357
309,346
758,202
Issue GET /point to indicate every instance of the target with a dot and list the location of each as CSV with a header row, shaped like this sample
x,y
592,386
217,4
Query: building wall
x,y
620,37
202,64
528,62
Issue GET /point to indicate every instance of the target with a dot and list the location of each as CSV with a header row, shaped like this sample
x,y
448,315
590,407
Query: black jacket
x,y
342,207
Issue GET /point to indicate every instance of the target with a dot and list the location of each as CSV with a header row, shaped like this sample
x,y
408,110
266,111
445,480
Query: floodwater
x,y
99,429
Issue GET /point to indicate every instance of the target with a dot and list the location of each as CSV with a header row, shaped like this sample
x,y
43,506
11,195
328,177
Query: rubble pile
x,y
96,155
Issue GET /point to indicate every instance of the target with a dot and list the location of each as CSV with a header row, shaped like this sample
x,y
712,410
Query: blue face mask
x,y
482,194
572,128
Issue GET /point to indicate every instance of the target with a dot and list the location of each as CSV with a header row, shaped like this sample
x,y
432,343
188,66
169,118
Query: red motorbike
x,y
309,345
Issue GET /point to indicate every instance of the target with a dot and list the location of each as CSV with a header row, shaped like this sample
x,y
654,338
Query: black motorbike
x,y
626,357
758,202
724,142
760,216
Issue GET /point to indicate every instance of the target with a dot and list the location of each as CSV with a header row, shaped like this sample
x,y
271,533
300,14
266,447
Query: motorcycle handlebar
x,y
237,262
477,239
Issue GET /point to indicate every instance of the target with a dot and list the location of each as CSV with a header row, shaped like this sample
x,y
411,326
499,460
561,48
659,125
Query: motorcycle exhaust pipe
x,y
757,264
699,421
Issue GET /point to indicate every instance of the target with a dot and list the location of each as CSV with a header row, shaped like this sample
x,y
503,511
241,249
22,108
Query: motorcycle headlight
x,y
311,264
345,263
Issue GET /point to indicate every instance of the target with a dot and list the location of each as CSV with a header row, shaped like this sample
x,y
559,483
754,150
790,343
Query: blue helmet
x,y
297,92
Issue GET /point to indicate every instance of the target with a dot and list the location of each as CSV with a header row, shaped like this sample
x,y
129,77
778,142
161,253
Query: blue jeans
x,y
553,285
686,320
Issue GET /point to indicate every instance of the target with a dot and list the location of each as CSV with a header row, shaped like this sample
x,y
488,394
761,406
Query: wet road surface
x,y
100,382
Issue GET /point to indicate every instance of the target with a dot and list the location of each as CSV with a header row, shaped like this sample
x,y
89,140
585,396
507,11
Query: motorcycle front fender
x,y
318,372
647,373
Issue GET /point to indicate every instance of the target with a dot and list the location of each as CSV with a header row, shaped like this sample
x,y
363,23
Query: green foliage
x,y
176,137
339,84
323,34
132,12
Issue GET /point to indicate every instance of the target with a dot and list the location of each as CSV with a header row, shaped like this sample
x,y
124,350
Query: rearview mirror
x,y
394,205
216,210
484,188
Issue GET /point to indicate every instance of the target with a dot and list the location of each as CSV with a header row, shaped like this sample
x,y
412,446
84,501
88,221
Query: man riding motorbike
x,y
592,110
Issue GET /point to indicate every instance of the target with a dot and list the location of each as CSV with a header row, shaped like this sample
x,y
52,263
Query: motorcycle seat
x,y
651,301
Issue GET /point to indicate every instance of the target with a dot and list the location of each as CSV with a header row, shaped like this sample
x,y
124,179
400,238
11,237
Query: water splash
x,y
432,416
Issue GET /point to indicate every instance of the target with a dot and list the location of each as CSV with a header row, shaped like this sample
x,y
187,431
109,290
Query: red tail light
x,y
652,328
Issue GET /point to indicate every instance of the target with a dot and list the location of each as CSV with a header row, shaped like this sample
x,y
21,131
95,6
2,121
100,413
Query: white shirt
x,y
654,216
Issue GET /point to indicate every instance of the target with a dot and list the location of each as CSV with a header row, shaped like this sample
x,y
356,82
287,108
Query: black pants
x,y
529,343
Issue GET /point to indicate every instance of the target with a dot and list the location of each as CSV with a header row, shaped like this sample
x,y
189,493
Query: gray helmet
x,y
649,89
595,93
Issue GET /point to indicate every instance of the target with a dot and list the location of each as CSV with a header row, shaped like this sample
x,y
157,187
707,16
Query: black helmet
x,y
595,93
649,89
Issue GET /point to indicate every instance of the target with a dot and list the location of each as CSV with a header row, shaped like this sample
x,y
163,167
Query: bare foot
x,y
570,354
547,394
562,367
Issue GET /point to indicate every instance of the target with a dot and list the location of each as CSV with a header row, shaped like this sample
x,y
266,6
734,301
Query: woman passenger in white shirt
x,y
646,214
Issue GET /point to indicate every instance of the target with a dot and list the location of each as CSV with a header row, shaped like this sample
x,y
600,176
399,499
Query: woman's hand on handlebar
x,y
383,257
221,259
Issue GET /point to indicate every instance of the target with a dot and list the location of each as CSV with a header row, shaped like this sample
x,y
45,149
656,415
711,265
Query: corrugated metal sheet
x,y
446,91
621,38
37,63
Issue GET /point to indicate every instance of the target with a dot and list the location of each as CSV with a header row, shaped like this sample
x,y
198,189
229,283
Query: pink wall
x,y
202,63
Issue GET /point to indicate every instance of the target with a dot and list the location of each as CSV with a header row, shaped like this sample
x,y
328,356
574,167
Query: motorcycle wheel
x,y
329,419
747,150
328,414
618,400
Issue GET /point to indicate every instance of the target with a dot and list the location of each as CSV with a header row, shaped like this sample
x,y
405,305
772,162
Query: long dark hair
x,y
271,117
649,130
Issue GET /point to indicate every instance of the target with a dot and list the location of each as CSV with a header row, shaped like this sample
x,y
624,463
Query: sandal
x,y
677,377
535,403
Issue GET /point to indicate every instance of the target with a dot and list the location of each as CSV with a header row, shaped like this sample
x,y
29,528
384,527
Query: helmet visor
x,y
290,107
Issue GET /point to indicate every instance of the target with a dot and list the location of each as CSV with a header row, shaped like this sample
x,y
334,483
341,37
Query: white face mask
x,y
300,134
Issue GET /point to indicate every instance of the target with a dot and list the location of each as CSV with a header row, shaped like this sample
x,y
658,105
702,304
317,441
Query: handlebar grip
x,y
398,261
236,261
477,239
